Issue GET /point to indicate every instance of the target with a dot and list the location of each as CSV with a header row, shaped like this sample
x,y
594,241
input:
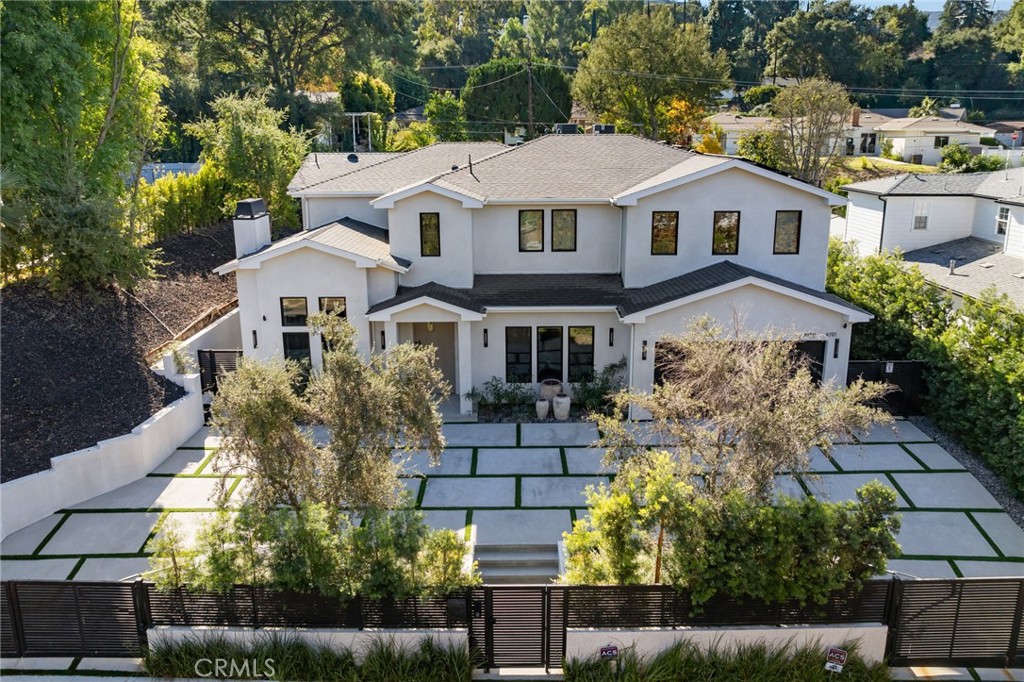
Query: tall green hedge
x,y
975,352
179,203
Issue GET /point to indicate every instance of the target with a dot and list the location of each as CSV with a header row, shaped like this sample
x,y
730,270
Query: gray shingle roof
x,y
580,290
384,172
1006,184
980,264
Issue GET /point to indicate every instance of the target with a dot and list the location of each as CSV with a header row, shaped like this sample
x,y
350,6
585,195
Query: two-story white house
x,y
547,260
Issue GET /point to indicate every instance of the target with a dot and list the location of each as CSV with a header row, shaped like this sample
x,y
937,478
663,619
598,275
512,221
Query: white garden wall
x,y
587,643
112,463
356,641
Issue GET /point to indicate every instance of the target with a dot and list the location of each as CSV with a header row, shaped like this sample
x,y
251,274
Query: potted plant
x,y
549,388
542,408
561,404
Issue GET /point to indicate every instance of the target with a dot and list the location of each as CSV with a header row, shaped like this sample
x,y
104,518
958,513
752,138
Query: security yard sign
x,y
835,660
609,653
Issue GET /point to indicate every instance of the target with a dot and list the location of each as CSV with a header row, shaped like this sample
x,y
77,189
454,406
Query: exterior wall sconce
x,y
382,345
485,338
430,326
254,338
611,336
643,350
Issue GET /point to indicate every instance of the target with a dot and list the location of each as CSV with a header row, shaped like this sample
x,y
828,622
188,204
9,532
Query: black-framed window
x,y
549,353
726,238
1003,220
430,234
518,355
531,230
941,141
664,233
293,311
296,346
333,305
581,353
867,142
563,229
787,232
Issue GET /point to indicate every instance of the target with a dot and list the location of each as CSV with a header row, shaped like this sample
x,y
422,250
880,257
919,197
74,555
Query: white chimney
x,y
252,226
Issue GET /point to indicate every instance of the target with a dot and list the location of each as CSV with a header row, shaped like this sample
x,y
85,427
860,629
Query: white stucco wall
x,y
757,199
489,362
381,284
864,213
1015,236
496,241
759,310
907,144
949,218
318,211
307,273
985,213
586,644
454,267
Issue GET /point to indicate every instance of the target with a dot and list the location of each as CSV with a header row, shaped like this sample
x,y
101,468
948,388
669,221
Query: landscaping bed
x,y
73,368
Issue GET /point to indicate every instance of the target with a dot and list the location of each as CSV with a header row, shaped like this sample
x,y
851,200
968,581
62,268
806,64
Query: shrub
x,y
503,399
593,394
179,203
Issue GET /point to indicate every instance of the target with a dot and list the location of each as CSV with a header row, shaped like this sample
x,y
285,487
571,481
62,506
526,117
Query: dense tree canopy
x,y
498,91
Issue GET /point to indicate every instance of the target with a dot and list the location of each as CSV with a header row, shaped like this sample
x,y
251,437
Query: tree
x,y
416,135
963,14
557,31
829,41
929,106
634,70
904,25
760,95
459,32
750,63
967,60
499,91
741,407
956,158
446,116
246,141
812,119
1010,37
512,42
761,147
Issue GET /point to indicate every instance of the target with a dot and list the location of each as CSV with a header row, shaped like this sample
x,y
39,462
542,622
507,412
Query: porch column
x,y
390,335
465,373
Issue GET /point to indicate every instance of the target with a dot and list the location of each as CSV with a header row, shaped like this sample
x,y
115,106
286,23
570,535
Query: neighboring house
x,y
976,219
921,140
954,112
734,126
1004,132
862,135
547,260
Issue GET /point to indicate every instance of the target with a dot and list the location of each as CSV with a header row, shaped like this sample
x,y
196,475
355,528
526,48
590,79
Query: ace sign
x,y
835,660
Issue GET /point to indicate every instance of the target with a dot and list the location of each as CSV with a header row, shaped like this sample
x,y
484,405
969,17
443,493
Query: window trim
x,y
519,225
344,312
1002,224
775,234
675,241
561,351
284,348
575,232
422,253
529,378
918,204
714,226
305,317
941,145
593,349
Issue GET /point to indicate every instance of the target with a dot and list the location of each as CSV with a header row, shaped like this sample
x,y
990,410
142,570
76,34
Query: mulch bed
x,y
73,369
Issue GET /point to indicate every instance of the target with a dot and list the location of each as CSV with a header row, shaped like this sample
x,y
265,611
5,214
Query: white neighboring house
x,y
734,126
547,260
921,140
862,138
976,219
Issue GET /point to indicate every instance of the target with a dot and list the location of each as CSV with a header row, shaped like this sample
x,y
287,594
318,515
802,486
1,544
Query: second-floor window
x,y
563,229
1003,220
531,230
430,234
333,305
941,141
787,232
726,238
920,215
664,233
293,312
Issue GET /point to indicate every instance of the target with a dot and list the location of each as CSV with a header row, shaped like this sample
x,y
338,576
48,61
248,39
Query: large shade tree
x,y
811,121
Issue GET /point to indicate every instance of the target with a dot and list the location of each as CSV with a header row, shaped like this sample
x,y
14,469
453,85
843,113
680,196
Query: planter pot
x,y
542,409
561,405
549,388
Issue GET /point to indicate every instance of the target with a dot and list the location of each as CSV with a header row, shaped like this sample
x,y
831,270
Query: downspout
x,y
881,232
632,361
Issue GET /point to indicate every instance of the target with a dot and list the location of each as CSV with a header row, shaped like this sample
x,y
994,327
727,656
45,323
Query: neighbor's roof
x,y
347,235
590,290
932,124
1004,185
384,172
730,121
979,264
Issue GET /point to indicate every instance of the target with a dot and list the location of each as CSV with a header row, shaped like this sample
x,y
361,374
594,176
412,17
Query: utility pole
x,y
529,95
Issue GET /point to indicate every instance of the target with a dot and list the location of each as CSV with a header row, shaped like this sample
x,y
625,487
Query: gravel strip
x,y
976,465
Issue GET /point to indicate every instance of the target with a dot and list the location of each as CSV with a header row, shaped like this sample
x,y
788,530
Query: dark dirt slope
x,y
72,365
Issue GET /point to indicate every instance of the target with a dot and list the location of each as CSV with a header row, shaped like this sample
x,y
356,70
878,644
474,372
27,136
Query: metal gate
x,y
908,376
214,364
518,626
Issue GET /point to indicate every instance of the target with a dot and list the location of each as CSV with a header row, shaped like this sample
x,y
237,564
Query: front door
x,y
440,335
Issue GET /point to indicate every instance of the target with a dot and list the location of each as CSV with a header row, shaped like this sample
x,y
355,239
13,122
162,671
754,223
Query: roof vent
x,y
567,129
455,166
604,128
353,158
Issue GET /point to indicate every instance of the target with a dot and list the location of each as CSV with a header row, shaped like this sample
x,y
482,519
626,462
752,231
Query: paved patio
x,y
524,484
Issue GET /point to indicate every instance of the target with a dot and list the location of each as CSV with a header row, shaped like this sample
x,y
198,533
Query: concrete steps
x,y
517,564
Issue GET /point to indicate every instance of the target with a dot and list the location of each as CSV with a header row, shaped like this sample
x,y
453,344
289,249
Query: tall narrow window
x,y
293,312
726,238
1003,220
296,346
664,233
787,232
333,305
563,229
531,230
518,352
430,234
581,353
920,215
549,353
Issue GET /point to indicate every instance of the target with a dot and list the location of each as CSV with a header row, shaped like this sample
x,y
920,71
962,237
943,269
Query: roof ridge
x,y
356,170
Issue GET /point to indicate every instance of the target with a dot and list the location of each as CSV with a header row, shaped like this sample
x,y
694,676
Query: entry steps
x,y
517,564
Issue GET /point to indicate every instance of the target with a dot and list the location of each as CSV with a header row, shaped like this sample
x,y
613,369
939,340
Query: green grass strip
x,y
156,529
231,490
78,659
53,531
984,534
190,476
956,569
974,675
71,576
147,510
572,516
420,492
473,461
519,492
196,447
565,460
915,457
900,490
206,462
519,435
469,525
83,555
803,486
